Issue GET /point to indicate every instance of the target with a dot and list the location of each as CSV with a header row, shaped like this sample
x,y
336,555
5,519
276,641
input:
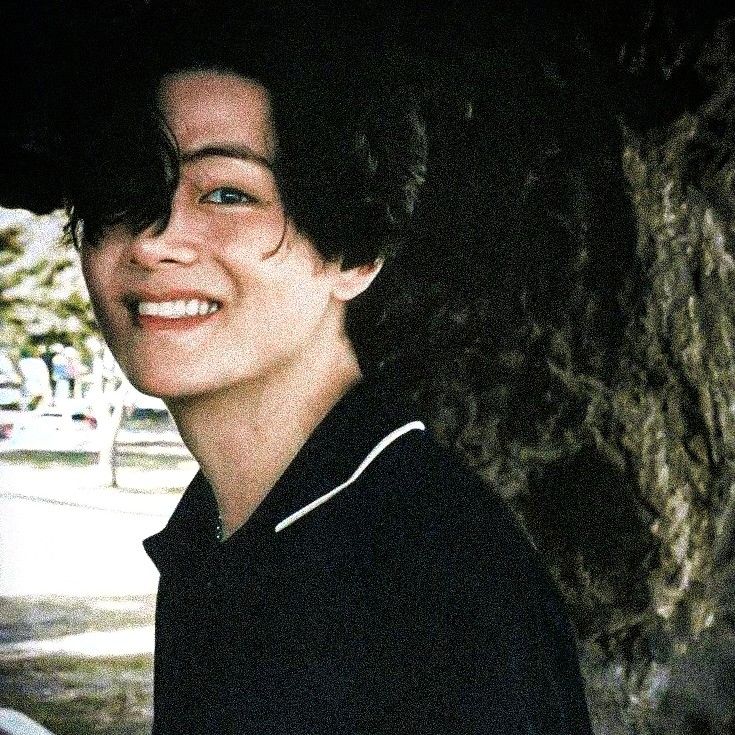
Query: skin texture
x,y
248,384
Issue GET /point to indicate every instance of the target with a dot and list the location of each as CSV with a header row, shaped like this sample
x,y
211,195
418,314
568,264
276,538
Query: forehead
x,y
205,108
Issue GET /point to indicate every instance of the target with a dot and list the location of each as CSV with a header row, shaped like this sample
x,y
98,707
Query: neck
x,y
244,437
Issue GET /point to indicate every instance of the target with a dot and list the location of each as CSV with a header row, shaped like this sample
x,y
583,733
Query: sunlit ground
x,y
77,594
76,694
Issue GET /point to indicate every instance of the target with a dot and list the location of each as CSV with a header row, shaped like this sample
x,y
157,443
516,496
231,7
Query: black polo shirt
x,y
406,602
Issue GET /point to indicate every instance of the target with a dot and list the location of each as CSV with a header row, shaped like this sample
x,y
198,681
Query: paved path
x,y
93,644
63,534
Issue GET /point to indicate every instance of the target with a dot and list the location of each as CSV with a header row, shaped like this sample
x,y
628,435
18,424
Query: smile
x,y
177,309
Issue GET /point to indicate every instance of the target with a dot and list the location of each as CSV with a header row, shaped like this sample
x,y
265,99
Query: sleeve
x,y
493,650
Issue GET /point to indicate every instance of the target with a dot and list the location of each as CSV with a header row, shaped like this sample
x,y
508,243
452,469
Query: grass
x,y
31,618
50,460
128,458
171,473
71,696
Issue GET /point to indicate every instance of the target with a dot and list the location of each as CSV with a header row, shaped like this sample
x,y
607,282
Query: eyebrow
x,y
228,150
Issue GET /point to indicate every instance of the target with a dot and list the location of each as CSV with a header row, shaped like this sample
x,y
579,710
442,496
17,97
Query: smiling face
x,y
229,292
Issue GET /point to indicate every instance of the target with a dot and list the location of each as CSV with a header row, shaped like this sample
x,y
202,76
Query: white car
x,y
70,426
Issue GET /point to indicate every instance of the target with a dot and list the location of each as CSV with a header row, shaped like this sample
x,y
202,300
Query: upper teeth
x,y
175,309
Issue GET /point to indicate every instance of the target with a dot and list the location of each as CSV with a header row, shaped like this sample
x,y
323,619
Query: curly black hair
x,y
351,153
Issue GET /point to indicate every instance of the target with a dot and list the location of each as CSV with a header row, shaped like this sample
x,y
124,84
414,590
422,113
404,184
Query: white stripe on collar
x,y
384,443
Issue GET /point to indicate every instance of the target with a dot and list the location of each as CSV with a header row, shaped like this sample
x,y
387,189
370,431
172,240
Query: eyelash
x,y
228,190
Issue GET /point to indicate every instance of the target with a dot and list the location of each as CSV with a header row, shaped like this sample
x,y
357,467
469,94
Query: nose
x,y
163,244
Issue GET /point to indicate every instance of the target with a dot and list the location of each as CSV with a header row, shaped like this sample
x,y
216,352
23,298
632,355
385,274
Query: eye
x,y
227,195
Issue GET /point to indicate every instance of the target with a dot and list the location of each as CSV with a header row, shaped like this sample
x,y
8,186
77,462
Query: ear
x,y
351,282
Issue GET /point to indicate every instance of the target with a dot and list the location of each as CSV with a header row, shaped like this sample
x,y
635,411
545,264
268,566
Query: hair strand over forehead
x,y
351,141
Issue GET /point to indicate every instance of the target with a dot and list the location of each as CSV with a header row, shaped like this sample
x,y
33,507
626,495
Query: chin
x,y
164,386
170,384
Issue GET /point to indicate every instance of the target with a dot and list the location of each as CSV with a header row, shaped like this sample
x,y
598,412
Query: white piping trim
x,y
374,452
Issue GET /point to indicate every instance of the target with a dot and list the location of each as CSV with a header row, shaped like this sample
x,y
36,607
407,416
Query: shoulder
x,y
454,555
419,501
424,484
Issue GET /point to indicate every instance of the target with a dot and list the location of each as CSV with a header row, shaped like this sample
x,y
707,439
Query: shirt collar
x,y
354,425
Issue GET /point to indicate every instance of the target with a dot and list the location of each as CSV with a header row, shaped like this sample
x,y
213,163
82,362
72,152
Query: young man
x,y
330,569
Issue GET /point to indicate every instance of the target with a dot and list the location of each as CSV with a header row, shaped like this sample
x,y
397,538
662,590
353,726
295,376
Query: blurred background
x,y
563,312
88,468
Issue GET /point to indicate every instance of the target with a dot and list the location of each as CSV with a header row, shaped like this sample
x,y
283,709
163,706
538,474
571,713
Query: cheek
x,y
93,275
245,239
289,306
97,271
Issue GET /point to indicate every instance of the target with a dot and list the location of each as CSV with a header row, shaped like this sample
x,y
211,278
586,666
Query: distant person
x,y
47,356
8,374
36,381
61,373
10,382
95,377
75,369
54,365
